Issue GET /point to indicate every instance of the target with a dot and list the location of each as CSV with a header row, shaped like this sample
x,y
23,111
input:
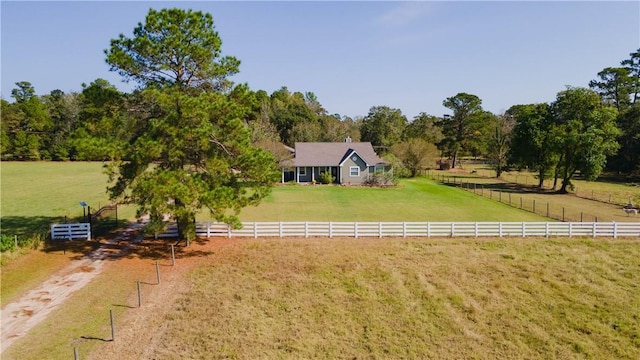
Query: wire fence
x,y
516,197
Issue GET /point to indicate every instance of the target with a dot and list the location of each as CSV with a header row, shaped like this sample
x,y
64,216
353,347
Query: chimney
x,y
348,139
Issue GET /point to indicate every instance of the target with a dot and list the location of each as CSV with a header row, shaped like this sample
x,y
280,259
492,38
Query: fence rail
x,y
413,229
71,231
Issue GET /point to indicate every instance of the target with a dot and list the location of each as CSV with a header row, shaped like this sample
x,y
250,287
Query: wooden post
x,y
139,294
15,241
158,272
563,214
113,329
75,353
547,209
534,206
173,256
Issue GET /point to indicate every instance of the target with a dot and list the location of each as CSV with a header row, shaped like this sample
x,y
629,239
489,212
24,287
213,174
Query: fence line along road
x,y
412,229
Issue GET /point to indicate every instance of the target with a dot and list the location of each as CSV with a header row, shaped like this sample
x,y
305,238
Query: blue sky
x,y
352,55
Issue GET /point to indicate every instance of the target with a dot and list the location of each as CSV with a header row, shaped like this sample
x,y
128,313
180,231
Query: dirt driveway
x,y
20,316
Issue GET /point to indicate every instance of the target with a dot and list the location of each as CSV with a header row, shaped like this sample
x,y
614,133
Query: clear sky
x,y
352,55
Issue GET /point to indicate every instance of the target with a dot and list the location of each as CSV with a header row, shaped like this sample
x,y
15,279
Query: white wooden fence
x,y
71,231
414,229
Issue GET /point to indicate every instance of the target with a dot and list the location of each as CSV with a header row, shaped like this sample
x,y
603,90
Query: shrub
x,y
381,178
326,178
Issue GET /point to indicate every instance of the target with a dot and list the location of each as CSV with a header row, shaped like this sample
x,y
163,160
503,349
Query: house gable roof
x,y
333,153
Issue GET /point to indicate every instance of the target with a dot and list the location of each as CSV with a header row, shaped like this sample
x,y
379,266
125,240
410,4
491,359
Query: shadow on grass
x,y
506,187
30,225
95,338
128,244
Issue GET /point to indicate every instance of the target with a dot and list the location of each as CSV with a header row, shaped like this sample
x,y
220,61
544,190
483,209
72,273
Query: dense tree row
x,y
581,132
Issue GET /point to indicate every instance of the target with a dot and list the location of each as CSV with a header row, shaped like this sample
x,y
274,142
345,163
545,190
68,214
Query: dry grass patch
x,y
364,298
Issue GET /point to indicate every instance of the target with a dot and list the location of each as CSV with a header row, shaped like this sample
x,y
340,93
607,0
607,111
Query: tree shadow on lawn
x,y
27,226
506,187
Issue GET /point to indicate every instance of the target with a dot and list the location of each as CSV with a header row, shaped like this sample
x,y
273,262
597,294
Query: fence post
x,y
330,229
546,229
570,228
15,241
520,202
581,216
562,214
509,199
380,229
428,229
615,230
453,230
75,353
255,230
475,229
113,328
280,228
534,206
404,229
229,231
139,294
547,209
158,272
499,196
173,256
524,229
500,229
594,228
306,229
355,229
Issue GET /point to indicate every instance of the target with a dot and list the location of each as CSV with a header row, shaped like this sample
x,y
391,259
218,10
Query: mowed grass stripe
x,y
416,199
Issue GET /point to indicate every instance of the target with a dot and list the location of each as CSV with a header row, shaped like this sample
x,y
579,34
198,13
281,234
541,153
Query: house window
x,y
354,171
303,171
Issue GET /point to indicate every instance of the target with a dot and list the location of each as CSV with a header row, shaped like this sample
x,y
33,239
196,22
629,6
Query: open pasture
x,y
359,298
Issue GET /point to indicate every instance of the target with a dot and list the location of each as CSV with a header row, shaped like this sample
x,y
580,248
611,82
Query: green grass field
x,y
37,194
413,200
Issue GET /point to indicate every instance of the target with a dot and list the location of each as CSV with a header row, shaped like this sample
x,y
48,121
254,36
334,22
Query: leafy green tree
x,y
383,126
104,128
64,110
627,159
31,124
415,154
499,141
174,48
289,110
466,124
426,127
614,87
534,138
193,151
632,65
588,134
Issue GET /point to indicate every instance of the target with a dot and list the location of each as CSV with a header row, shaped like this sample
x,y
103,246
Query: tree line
x,y
584,131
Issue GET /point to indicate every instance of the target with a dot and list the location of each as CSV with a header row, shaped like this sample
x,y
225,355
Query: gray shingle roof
x,y
332,153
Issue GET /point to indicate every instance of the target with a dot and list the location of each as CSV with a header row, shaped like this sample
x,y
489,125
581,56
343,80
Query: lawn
x,y
37,194
360,298
416,199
